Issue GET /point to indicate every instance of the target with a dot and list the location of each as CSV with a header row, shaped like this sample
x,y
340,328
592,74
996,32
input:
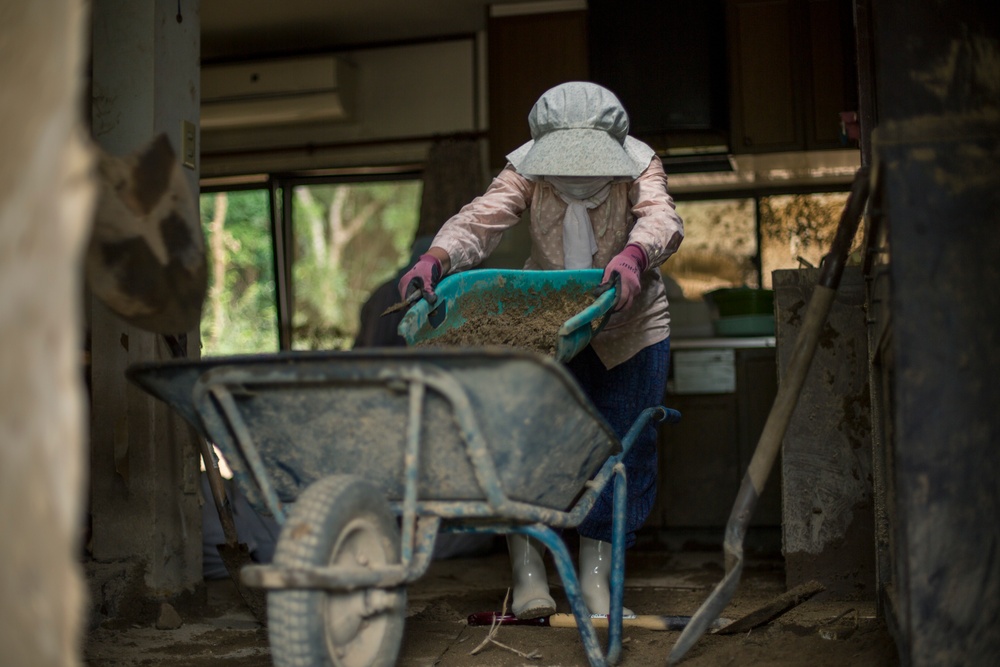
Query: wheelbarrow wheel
x,y
338,521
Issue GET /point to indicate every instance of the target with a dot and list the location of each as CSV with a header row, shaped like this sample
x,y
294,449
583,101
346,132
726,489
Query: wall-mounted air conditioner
x,y
275,92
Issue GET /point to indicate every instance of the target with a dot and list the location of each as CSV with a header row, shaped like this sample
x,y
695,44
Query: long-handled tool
x,y
647,621
777,422
146,255
414,291
234,553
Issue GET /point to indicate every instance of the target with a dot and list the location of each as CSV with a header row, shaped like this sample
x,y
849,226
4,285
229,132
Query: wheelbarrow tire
x,y
338,520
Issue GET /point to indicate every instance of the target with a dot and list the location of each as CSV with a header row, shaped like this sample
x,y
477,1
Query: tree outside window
x,y
719,248
240,312
796,231
349,238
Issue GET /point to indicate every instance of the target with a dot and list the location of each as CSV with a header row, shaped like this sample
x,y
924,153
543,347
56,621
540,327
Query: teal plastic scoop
x,y
461,296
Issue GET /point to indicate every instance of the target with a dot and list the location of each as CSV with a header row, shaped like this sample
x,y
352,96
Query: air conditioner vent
x,y
272,92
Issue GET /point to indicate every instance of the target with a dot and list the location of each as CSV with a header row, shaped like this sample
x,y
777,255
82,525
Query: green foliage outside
x,y
348,239
240,313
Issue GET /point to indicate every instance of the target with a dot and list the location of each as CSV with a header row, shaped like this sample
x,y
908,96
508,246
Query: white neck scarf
x,y
580,194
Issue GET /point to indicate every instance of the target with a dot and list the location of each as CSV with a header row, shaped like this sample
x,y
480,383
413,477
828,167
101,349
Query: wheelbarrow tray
x,y
464,295
302,416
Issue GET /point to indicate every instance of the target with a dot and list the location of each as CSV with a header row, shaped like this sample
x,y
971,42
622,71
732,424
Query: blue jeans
x,y
620,395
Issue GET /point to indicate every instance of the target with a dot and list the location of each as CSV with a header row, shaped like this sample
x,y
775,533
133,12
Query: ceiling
x,y
249,29
244,29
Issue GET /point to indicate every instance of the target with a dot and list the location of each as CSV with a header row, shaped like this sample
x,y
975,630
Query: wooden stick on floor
x,y
772,609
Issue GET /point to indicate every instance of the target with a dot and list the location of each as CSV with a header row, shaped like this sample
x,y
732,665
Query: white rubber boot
x,y
595,575
531,585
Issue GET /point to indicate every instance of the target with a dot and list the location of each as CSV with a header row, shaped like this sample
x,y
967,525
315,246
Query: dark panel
x,y
939,197
699,466
942,195
756,387
936,57
664,60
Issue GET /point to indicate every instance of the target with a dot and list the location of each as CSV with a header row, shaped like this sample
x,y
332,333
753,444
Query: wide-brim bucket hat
x,y
580,129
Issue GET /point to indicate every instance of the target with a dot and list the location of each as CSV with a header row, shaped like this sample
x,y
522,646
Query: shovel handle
x,y
222,506
647,621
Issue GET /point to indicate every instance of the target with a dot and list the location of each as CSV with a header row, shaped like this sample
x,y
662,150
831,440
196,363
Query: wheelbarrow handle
x,y
671,416
660,414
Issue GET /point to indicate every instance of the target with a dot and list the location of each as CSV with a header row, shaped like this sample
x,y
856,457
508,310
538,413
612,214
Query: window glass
x,y
719,248
240,312
349,238
796,231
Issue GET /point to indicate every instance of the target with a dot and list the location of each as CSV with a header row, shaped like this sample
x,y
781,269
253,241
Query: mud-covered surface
x,y
529,321
817,633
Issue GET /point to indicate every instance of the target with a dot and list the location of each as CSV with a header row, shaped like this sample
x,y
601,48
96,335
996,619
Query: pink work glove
x,y
629,265
422,277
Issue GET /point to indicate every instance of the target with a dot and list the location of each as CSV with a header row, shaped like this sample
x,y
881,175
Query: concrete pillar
x,y
144,482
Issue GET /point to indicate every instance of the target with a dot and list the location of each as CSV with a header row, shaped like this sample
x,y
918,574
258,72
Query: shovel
x,y
146,256
234,553
777,421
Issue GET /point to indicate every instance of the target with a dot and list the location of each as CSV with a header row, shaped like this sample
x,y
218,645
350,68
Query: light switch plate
x,y
189,150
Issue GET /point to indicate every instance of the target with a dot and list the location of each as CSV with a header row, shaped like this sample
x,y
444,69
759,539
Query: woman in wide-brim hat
x,y
597,199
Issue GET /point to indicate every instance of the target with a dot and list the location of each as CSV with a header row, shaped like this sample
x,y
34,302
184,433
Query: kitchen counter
x,y
717,342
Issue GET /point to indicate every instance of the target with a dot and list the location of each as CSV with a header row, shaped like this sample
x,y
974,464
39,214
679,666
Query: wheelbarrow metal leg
x,y
617,566
411,468
567,572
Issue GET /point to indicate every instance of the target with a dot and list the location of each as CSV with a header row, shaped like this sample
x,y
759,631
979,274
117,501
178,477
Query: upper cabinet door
x,y
792,71
766,112
528,54
833,71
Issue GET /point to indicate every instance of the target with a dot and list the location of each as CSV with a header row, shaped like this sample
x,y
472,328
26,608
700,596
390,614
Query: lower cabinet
x,y
702,458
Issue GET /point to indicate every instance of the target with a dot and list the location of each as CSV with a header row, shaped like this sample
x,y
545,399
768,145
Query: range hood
x,y
768,171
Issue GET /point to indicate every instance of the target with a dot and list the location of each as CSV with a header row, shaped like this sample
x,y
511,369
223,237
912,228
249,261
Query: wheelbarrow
x,y
364,457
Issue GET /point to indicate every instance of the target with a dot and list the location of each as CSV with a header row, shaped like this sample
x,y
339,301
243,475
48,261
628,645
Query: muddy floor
x,y
818,633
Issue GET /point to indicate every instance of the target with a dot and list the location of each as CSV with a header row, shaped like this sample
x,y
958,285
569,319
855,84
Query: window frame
x,y
280,184
756,194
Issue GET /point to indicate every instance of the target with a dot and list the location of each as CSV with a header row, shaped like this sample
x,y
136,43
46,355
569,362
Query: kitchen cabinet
x,y
528,54
702,458
792,71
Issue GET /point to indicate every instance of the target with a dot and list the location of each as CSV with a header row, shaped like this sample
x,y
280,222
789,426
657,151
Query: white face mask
x,y
579,187
580,193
